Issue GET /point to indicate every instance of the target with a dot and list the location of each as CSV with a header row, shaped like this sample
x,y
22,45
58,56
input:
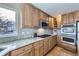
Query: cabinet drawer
x,y
36,44
41,43
28,47
17,52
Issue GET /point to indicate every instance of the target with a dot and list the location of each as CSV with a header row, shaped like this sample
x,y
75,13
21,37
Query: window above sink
x,y
7,22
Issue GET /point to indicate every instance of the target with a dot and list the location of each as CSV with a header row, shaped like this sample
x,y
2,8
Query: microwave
x,y
43,24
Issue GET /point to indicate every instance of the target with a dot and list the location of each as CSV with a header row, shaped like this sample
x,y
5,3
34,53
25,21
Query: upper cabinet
x,y
58,19
64,19
32,15
51,23
26,15
43,16
76,16
35,17
70,18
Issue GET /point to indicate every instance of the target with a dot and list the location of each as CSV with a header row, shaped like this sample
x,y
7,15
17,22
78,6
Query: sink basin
x,y
5,49
1,49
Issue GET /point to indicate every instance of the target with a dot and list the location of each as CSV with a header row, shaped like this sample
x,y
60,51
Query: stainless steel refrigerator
x,y
77,37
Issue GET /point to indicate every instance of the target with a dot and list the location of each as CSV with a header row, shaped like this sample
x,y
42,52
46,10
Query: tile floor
x,y
58,51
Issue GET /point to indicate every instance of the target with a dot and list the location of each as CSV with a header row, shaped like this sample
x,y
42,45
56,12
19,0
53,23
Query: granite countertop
x,y
19,43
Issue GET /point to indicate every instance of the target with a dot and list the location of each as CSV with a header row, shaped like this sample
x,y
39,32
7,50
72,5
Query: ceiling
x,y
55,9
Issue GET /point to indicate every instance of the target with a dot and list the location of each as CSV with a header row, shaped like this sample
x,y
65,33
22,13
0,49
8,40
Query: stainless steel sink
x,y
1,49
4,49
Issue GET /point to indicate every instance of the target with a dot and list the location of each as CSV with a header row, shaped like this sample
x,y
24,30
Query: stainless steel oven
x,y
68,29
69,39
68,34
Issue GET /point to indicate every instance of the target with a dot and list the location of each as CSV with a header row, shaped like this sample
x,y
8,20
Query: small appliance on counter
x,y
35,35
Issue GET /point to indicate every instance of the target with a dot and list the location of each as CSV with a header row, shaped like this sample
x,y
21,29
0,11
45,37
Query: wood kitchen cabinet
x,y
41,48
38,48
43,16
35,17
59,40
64,19
52,41
26,15
51,23
31,16
58,19
76,16
69,47
70,18
24,51
46,45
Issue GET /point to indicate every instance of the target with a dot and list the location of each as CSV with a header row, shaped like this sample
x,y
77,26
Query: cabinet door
x,y
76,16
65,19
26,15
35,17
46,45
24,51
27,53
29,50
51,22
36,48
17,52
36,51
40,14
70,18
54,40
41,48
50,42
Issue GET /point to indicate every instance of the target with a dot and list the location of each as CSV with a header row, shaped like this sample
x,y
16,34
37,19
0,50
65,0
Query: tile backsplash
x,y
23,33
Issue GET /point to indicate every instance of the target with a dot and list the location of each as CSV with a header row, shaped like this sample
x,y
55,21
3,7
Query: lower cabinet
x,y
41,48
69,47
38,48
52,41
46,45
24,51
